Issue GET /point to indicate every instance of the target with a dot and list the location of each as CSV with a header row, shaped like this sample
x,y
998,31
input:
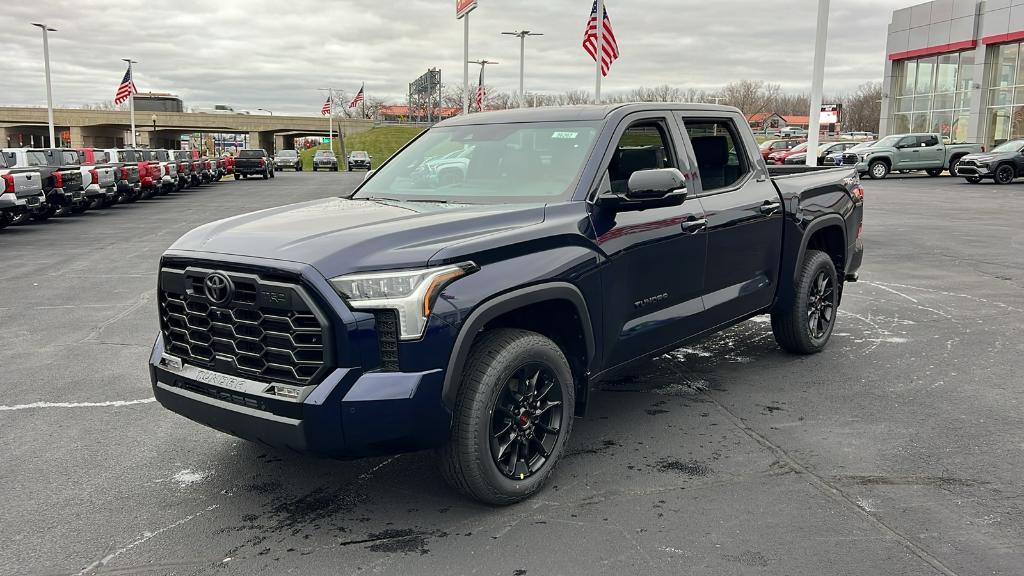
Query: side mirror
x,y
657,188
654,184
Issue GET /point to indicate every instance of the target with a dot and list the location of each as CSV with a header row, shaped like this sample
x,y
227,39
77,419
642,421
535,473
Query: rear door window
x,y
721,158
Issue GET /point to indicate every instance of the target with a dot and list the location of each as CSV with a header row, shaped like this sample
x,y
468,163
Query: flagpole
x,y
465,65
599,53
131,99
330,120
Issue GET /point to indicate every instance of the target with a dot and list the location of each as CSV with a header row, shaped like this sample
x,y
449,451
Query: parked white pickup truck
x,y
21,192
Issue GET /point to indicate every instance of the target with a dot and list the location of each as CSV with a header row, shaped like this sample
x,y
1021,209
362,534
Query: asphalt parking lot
x,y
896,451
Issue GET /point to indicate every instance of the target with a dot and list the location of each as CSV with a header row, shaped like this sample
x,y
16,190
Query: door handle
x,y
694,226
770,207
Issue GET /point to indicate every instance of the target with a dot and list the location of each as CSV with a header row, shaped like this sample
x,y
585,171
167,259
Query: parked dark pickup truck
x,y
129,181
62,184
473,314
253,163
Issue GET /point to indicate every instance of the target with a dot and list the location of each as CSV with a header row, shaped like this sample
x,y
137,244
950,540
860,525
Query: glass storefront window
x,y
925,76
934,95
908,74
901,124
945,76
965,72
1006,65
1000,96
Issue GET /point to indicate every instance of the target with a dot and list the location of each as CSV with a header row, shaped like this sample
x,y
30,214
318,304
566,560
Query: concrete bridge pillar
x,y
77,137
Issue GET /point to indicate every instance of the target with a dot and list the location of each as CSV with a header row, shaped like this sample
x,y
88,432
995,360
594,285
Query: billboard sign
x,y
463,7
830,113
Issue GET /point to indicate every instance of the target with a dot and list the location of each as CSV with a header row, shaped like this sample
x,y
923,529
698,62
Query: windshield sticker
x,y
565,135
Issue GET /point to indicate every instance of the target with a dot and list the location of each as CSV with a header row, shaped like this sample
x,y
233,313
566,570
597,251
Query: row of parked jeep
x,y
39,183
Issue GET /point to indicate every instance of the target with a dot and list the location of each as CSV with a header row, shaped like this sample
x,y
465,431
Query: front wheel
x,y
803,320
238,176
878,170
933,172
512,418
1004,174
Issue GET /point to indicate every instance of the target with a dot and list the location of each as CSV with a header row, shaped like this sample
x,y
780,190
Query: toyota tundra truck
x,y
474,315
904,152
21,193
62,184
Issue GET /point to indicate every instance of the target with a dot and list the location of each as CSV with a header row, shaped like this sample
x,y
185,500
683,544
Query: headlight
x,y
411,293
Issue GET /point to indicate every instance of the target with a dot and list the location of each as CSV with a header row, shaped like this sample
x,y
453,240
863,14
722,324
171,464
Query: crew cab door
x,y
744,213
932,151
656,257
908,154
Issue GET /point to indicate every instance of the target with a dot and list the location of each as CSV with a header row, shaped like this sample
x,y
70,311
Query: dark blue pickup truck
x,y
470,292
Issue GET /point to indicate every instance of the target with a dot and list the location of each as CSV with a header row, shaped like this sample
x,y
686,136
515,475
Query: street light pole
x,y
46,64
522,34
131,100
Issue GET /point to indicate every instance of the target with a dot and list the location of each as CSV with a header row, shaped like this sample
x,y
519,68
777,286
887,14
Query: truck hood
x,y
337,235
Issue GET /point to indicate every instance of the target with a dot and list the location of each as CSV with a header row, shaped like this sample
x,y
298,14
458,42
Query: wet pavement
x,y
898,450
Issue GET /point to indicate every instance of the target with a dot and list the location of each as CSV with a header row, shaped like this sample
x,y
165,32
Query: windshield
x,y
100,156
799,148
526,162
250,154
1009,146
162,155
360,155
862,146
889,140
767,144
69,157
287,154
325,153
36,158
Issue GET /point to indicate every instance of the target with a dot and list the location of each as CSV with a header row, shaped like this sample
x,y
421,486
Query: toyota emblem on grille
x,y
219,288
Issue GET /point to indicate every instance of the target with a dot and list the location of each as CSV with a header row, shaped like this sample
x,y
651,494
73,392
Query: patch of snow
x,y
188,477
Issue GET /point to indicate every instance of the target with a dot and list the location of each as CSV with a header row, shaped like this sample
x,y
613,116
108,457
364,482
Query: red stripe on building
x,y
1002,38
931,50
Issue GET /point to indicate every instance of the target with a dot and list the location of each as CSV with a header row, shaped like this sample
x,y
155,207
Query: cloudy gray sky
x,y
274,54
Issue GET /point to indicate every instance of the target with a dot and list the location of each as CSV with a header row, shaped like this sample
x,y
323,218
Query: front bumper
x,y
349,414
975,171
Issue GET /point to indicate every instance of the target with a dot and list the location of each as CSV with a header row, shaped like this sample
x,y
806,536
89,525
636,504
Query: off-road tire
x,y
953,162
790,319
465,461
878,170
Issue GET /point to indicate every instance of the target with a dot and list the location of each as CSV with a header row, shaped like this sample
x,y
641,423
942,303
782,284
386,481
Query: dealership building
x,y
956,67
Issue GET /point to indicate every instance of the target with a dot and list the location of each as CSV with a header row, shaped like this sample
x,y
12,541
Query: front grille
x,y
968,163
387,339
269,331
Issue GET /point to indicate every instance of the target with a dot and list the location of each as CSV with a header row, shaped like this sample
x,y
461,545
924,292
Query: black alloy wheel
x,y
821,310
526,421
1004,174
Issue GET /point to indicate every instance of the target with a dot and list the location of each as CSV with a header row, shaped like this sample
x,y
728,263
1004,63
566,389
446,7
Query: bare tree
x,y
862,109
751,96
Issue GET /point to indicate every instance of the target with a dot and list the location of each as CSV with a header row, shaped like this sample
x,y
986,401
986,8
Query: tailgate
x,y
27,182
72,179
106,176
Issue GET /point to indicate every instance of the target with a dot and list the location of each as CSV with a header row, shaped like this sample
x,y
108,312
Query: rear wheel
x,y
1004,174
803,321
933,172
512,418
878,170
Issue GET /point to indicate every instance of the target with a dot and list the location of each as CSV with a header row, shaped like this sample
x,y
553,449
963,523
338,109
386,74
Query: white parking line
x,y
112,403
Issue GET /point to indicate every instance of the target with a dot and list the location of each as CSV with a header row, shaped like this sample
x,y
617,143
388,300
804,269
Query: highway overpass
x,y
27,126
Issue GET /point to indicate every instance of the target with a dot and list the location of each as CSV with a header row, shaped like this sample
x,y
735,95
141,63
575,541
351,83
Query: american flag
x,y
359,98
609,47
481,92
126,89
327,107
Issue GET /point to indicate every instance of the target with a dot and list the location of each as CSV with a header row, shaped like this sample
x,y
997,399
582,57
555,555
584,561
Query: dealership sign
x,y
830,113
463,7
